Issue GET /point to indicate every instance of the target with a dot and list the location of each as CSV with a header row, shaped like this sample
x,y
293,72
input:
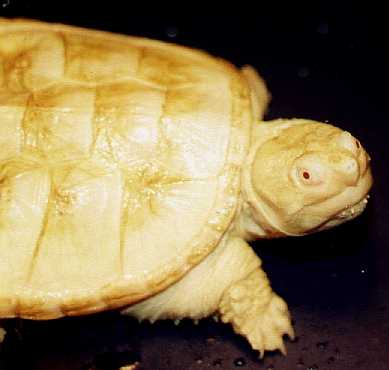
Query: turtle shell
x,y
120,165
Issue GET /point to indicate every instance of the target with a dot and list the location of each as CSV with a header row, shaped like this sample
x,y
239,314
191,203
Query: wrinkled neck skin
x,y
251,222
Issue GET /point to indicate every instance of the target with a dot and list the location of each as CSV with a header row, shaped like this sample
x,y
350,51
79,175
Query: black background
x,y
325,62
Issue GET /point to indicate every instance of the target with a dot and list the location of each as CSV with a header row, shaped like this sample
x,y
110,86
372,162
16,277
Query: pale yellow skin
x,y
133,172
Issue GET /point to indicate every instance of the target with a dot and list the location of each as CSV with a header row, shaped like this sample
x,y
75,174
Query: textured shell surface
x,y
119,165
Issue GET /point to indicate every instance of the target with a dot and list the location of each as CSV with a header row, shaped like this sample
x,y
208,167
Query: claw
x,y
290,332
261,353
282,348
284,326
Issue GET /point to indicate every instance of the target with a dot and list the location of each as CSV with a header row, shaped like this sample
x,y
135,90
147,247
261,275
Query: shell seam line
x,y
41,233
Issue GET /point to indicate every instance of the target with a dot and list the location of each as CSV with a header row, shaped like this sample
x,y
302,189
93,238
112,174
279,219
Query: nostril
x,y
349,168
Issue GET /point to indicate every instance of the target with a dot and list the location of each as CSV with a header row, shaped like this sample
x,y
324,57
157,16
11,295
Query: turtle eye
x,y
309,176
306,175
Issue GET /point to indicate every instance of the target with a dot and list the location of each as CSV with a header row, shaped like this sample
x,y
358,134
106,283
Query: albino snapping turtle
x,y
133,173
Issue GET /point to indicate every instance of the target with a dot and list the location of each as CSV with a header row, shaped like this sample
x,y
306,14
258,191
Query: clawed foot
x,y
257,313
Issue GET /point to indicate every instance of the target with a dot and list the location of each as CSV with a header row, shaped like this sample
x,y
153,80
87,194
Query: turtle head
x,y
305,176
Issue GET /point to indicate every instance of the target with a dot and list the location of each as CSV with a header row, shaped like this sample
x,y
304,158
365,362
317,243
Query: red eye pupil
x,y
306,175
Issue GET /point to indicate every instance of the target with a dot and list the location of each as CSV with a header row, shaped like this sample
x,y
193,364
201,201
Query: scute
x,y
58,121
12,110
88,60
119,166
32,61
77,250
127,123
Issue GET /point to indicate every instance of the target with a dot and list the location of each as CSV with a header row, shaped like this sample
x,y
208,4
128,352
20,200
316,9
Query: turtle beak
x,y
356,195
355,161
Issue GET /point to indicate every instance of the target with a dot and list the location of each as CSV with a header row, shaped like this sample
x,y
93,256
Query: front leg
x,y
256,312
231,284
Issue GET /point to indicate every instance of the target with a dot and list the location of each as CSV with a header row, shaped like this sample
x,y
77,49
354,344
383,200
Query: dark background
x,y
325,62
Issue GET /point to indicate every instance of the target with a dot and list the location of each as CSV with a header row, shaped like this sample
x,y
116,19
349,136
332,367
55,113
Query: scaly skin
x,y
237,290
257,313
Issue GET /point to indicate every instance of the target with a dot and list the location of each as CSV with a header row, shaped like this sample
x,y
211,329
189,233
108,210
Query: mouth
x,y
353,211
347,214
360,192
